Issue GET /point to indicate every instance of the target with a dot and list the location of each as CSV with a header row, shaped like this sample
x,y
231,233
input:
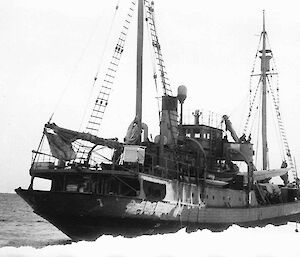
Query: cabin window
x,y
195,198
116,185
188,134
78,184
72,187
197,135
129,187
42,184
154,191
208,136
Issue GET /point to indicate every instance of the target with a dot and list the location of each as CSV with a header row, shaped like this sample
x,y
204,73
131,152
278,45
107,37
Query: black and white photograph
x,y
149,128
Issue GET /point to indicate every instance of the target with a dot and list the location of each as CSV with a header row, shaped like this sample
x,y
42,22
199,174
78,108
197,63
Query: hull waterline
x,y
87,216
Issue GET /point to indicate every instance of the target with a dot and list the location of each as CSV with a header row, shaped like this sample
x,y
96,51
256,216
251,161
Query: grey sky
x,y
50,51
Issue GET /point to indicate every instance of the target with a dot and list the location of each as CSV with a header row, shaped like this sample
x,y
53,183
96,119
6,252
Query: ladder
x,y
101,101
283,135
150,18
157,48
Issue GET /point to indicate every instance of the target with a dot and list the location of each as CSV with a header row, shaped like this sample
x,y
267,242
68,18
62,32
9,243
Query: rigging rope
x,y
278,129
251,107
157,48
283,137
154,72
101,101
100,63
252,99
75,67
258,128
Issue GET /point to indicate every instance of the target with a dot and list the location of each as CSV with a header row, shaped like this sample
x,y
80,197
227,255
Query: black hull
x,y
87,216
76,215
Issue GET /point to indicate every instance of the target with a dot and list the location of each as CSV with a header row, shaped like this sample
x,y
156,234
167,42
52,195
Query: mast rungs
x,y
95,110
96,117
159,59
103,94
94,129
110,75
102,97
116,58
103,104
107,81
117,53
96,123
115,64
107,88
112,69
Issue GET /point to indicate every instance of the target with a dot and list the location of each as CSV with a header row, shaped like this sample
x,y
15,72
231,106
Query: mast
x,y
264,68
139,68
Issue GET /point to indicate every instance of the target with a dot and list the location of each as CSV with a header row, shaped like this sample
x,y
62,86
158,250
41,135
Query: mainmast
x,y
139,68
264,68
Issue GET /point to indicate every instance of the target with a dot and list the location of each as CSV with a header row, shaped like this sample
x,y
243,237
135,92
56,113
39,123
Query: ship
x,y
186,177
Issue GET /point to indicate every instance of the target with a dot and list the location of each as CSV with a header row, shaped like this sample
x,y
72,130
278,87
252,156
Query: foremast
x,y
264,68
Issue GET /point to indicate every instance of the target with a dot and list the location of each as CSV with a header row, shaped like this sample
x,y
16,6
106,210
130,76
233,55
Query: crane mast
x,y
139,67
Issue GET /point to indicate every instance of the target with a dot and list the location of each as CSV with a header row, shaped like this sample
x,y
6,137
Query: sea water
x,y
19,226
23,233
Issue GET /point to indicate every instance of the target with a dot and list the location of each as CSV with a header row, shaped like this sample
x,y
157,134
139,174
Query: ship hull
x,y
83,216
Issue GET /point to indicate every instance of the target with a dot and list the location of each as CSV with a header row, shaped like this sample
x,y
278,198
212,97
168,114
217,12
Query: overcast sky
x,y
50,51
